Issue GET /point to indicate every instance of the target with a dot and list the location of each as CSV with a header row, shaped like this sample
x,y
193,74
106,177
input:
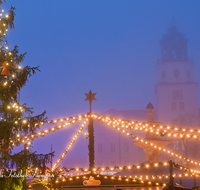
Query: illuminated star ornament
x,y
90,97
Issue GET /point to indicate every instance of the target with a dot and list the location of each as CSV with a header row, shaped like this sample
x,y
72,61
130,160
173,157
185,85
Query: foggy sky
x,y
108,46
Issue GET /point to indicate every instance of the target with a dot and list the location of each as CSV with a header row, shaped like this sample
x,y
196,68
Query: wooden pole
x,y
90,107
171,178
51,166
195,181
90,97
181,180
91,144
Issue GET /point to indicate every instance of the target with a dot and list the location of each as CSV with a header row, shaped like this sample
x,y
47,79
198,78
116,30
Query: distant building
x,y
113,148
177,102
176,88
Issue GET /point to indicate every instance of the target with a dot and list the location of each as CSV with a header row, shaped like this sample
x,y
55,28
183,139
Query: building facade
x,y
177,102
176,88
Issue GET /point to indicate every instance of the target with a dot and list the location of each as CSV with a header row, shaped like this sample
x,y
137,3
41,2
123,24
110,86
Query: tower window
x,y
176,145
163,75
177,95
112,147
173,55
173,106
182,145
182,54
176,73
188,74
165,55
181,106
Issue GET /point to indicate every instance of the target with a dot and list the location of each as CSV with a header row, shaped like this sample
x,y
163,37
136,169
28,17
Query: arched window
x,y
182,54
176,73
174,55
165,54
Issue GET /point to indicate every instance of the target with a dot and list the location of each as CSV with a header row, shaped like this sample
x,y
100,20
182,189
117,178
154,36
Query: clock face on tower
x,y
177,94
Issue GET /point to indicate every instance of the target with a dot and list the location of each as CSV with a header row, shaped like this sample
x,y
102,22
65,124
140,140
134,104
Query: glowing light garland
x,y
168,132
55,121
153,128
42,133
147,179
25,138
109,122
70,145
121,168
118,178
114,122
138,126
137,167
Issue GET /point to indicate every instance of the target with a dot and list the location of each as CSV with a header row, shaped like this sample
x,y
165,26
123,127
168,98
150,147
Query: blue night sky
x,y
108,46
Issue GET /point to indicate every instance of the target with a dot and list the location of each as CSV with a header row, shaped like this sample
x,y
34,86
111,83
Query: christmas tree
x,y
16,120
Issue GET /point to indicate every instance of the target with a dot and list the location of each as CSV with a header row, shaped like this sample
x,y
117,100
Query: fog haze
x,y
110,47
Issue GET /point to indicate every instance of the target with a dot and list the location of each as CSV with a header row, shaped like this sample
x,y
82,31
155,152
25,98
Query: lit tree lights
x,y
18,124
16,119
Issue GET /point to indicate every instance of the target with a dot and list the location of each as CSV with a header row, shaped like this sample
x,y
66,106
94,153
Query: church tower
x,y
176,88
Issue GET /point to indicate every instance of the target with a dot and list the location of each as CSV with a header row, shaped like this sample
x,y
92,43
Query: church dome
x,y
173,46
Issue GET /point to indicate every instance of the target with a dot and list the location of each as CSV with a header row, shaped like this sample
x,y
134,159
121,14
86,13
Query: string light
x,y
142,140
166,130
47,131
74,118
119,178
70,145
110,122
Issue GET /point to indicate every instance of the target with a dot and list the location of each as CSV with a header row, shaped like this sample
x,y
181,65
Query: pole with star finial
x,y
90,97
